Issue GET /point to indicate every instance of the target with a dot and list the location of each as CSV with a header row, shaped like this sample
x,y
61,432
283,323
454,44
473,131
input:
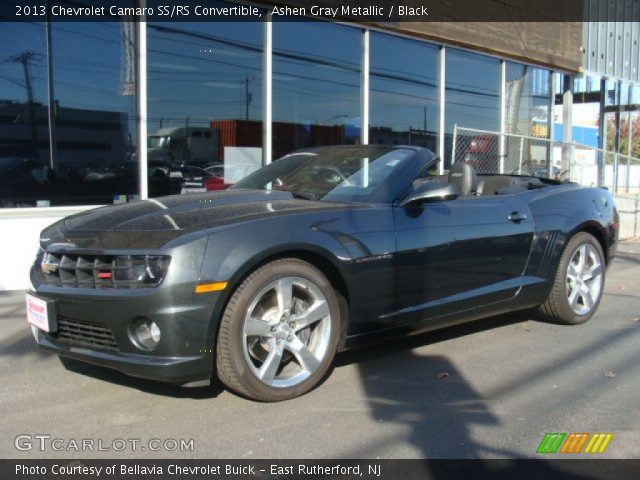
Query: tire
x,y
270,348
577,287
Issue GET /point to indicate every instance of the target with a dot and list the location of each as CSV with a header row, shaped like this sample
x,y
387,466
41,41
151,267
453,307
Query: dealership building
x,y
92,112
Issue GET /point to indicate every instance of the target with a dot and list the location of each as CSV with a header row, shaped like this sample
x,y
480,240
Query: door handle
x,y
517,217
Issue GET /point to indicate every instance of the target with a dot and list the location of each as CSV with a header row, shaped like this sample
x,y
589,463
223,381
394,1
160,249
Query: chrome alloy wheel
x,y
584,279
286,331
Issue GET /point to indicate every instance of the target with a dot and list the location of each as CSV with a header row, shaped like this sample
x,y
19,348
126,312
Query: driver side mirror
x,y
431,192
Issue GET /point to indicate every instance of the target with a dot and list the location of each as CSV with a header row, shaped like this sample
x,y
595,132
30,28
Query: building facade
x,y
83,105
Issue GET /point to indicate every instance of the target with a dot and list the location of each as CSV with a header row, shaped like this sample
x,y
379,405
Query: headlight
x,y
145,270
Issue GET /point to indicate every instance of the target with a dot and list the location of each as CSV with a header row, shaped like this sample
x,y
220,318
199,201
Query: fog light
x,y
145,334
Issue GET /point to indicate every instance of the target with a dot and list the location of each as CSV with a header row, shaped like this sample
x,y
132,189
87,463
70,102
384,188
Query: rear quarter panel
x,y
559,212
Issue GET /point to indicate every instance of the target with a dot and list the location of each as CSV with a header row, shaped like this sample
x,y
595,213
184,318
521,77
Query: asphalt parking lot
x,y
488,389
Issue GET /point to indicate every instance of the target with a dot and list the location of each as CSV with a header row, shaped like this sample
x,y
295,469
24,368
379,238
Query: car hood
x,y
151,223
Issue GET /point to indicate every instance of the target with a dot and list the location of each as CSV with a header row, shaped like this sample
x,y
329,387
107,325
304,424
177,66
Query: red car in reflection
x,y
222,177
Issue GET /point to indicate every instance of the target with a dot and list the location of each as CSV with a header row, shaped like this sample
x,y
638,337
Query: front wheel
x,y
579,282
279,332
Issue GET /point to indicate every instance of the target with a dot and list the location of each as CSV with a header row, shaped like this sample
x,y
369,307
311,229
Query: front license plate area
x,y
41,313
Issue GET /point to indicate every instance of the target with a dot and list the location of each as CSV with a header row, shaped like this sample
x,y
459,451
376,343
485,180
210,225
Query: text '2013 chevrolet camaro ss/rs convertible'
x,y
260,285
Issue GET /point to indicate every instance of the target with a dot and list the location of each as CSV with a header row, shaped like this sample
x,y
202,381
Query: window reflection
x,y
403,92
472,94
527,103
93,116
92,119
527,100
316,85
24,136
205,102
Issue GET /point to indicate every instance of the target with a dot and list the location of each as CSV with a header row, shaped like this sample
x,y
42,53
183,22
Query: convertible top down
x,y
326,248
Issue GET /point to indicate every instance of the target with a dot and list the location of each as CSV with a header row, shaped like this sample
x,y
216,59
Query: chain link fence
x,y
495,153
492,152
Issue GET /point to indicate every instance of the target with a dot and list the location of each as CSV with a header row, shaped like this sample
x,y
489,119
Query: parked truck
x,y
184,145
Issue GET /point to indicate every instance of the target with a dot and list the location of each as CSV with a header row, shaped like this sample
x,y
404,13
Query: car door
x,y
460,254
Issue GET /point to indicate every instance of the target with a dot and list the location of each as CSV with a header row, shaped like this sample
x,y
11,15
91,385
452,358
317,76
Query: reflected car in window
x,y
222,177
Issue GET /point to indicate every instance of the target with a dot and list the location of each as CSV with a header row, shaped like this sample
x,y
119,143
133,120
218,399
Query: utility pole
x,y
24,58
424,120
247,95
52,106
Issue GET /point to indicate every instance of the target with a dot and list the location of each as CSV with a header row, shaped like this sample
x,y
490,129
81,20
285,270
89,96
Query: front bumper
x,y
182,369
186,320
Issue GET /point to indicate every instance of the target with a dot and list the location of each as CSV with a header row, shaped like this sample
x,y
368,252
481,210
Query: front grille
x,y
83,333
104,271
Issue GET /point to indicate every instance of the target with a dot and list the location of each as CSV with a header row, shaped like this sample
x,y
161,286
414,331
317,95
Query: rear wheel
x,y
279,332
579,282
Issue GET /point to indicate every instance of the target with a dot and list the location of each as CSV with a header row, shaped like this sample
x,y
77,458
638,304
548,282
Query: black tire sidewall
x,y
255,388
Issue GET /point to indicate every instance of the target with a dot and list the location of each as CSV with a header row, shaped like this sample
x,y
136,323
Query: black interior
x,y
469,183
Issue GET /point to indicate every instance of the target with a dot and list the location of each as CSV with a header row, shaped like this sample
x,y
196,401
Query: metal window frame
x,y
503,112
442,66
267,90
364,88
141,105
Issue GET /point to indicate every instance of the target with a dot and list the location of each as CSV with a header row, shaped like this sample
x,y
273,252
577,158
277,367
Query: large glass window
x,y
586,109
316,85
92,114
403,92
205,102
24,136
527,100
93,119
472,98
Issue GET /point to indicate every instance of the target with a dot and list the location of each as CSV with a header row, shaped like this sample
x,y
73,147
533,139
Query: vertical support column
x,y
602,132
141,104
267,91
567,124
53,143
636,212
454,142
503,114
616,140
551,107
364,89
616,156
521,155
627,177
441,104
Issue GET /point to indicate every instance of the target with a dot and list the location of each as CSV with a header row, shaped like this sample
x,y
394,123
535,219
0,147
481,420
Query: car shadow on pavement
x,y
627,257
147,386
399,344
21,343
439,411
425,394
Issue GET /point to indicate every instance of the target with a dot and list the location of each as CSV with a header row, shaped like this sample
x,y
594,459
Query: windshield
x,y
157,142
332,174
